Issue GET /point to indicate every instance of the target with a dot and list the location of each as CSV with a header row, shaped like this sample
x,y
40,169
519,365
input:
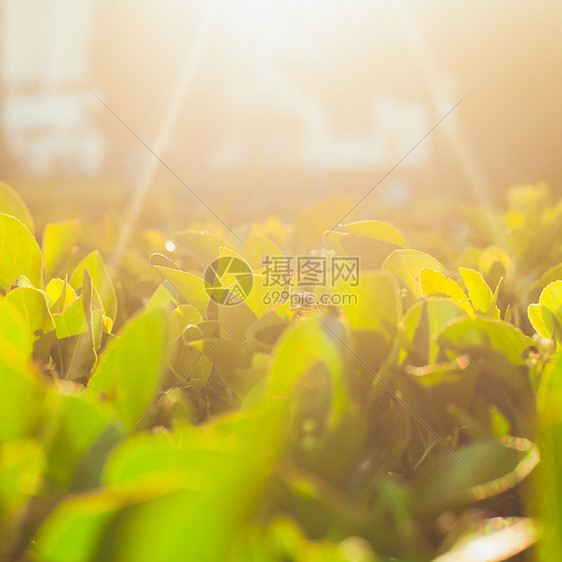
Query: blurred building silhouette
x,y
47,122
316,95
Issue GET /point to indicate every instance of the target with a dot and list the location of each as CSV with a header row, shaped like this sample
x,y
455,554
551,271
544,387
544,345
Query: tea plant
x,y
140,420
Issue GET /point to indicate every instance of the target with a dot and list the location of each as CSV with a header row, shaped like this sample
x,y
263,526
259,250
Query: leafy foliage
x,y
142,421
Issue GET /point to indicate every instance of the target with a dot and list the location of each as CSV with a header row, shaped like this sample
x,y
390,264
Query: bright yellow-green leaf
x,y
407,265
480,294
189,286
75,422
485,333
257,247
542,320
58,239
23,281
21,469
373,304
549,405
371,241
500,425
437,283
257,300
131,365
164,497
226,252
60,294
93,312
19,387
71,321
183,315
19,253
491,255
308,343
546,317
12,204
421,324
161,298
32,305
84,518
93,262
551,298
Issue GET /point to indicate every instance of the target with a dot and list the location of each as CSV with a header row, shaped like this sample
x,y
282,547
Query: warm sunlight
x,y
280,280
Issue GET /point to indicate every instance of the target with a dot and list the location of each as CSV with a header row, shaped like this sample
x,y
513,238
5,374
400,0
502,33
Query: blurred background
x,y
263,106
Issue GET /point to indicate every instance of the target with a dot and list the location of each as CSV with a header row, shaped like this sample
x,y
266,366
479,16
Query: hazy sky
x,y
299,88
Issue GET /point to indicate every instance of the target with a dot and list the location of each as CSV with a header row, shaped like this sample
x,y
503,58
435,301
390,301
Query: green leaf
x,y
407,266
188,362
546,317
485,333
19,253
479,293
75,423
189,286
130,368
71,321
82,519
12,204
59,295
257,247
486,469
93,313
162,261
165,498
22,464
494,264
500,424
162,298
58,240
307,344
263,333
230,359
542,320
235,320
376,306
182,316
421,324
551,298
371,241
549,496
434,282
32,305
502,537
20,390
492,255
257,299
93,262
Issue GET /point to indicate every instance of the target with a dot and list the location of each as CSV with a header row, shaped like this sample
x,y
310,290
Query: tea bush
x,y
418,420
